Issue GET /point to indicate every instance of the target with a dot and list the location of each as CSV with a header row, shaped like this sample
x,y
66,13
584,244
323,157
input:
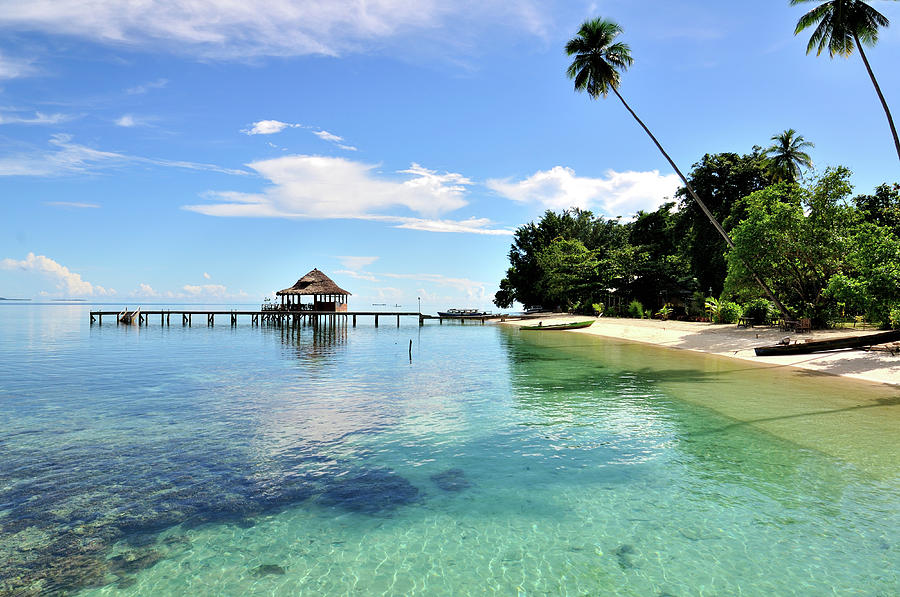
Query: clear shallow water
x,y
221,461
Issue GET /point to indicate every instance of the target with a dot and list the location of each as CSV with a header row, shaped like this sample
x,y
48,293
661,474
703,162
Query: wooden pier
x,y
273,317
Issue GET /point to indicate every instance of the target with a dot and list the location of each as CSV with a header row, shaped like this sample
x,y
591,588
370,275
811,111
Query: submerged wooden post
x,y
398,321
190,317
376,320
354,321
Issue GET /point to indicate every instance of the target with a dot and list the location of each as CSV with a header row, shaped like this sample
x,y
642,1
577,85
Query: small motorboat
x,y
575,325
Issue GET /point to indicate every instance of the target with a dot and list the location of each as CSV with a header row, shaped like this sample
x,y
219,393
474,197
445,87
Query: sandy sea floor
x,y
731,341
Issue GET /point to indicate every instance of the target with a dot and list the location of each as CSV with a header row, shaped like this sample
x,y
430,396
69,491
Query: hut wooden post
x,y
376,320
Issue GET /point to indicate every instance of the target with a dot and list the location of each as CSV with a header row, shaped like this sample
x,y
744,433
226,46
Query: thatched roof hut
x,y
315,282
327,296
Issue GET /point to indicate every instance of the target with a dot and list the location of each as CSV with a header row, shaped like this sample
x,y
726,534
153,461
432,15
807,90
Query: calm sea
x,y
323,461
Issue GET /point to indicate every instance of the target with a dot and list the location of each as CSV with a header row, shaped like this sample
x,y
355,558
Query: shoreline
x,y
738,343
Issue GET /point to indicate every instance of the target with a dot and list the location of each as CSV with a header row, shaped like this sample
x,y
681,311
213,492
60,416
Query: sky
x,y
216,151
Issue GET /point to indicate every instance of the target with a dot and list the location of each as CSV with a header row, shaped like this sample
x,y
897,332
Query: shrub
x,y
728,312
758,310
665,312
598,309
895,317
636,309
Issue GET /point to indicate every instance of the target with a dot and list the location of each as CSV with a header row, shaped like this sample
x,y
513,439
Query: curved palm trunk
x,y
712,219
884,105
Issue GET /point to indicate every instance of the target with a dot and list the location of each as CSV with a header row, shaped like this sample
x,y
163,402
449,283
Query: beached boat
x,y
831,344
575,325
463,313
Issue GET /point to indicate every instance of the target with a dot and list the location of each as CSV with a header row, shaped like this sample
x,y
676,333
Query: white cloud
x,y
142,89
269,127
326,187
206,275
74,204
127,121
38,118
145,290
318,187
67,157
67,281
618,193
13,68
229,29
210,290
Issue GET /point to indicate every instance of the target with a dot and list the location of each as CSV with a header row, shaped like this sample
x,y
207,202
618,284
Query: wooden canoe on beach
x,y
831,344
577,325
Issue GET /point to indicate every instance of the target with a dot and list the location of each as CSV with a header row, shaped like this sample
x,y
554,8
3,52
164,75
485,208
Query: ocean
x,y
325,460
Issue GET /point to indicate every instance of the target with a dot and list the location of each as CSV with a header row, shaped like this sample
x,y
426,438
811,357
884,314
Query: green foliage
x,y
712,306
598,309
759,310
895,317
728,312
635,309
721,180
882,207
665,312
797,239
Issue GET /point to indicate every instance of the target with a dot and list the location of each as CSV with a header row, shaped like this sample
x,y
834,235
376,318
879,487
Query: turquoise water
x,y
259,461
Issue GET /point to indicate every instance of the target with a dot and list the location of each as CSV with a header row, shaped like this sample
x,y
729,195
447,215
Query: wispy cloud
x,y
145,87
304,186
238,30
73,204
618,193
38,118
67,282
67,157
356,263
332,138
13,68
269,127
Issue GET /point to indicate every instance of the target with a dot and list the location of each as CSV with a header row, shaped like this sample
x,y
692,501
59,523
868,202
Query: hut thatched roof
x,y
315,282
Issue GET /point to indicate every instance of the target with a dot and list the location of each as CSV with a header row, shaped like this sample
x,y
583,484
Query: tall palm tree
x,y
595,69
842,25
786,155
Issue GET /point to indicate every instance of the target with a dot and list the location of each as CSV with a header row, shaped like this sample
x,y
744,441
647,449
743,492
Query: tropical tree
x,y
841,26
786,156
598,58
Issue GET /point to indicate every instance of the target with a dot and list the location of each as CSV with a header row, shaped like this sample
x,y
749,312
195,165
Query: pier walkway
x,y
273,317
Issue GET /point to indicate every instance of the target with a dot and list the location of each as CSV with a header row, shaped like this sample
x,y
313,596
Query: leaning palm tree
x,y
786,155
595,69
842,25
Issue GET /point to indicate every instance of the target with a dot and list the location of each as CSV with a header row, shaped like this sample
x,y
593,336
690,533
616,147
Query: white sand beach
x,y
731,341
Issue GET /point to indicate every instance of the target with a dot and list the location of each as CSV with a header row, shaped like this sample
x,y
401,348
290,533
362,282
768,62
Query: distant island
x,y
9,299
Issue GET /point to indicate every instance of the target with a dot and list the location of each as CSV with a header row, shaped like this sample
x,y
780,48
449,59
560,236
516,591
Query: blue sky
x,y
152,152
